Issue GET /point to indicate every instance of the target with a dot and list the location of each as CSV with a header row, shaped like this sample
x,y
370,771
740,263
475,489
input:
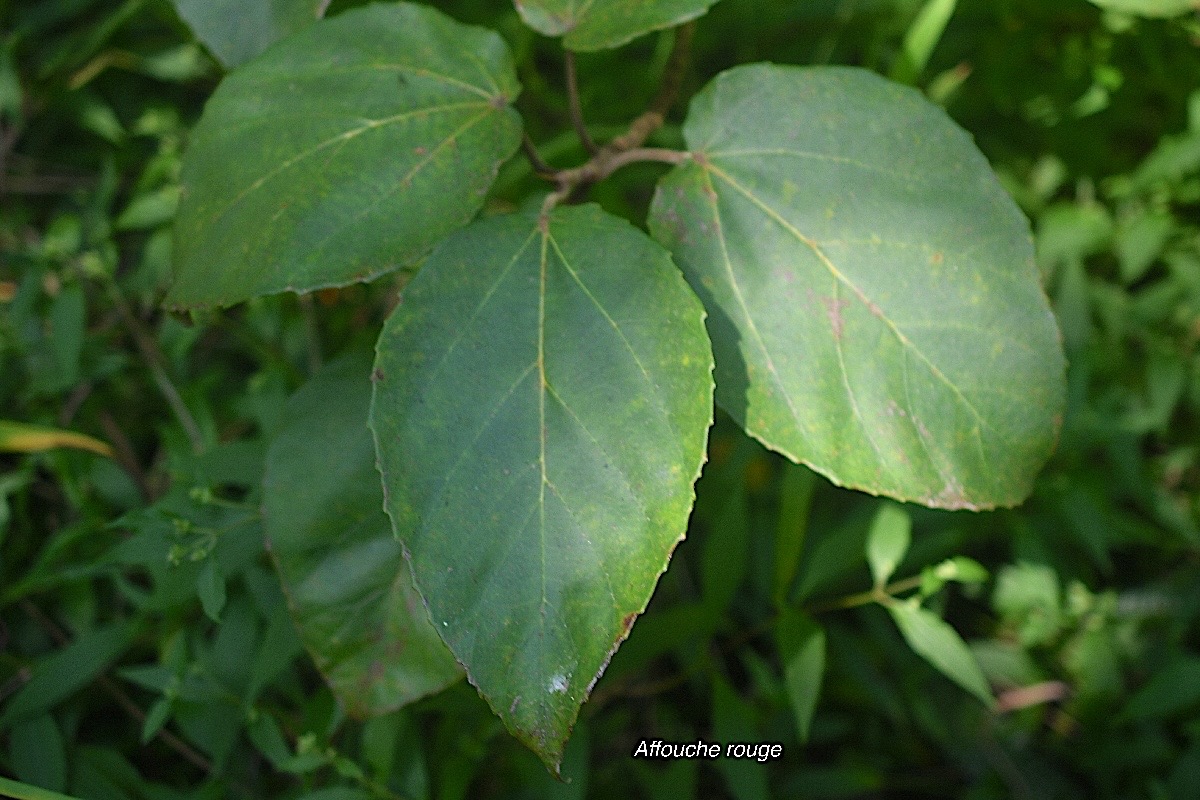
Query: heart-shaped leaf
x,y
601,24
542,400
344,152
349,589
874,306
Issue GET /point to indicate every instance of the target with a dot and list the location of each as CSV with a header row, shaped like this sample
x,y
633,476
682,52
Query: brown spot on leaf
x,y
937,258
834,308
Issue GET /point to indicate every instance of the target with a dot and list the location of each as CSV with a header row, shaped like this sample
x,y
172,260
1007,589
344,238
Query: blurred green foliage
x,y
146,648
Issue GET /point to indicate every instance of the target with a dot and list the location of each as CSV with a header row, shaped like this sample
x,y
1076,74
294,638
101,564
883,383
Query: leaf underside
x,y
542,400
344,152
601,24
873,302
348,587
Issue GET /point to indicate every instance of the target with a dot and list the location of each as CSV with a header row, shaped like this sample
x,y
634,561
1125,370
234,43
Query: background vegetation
x,y
146,649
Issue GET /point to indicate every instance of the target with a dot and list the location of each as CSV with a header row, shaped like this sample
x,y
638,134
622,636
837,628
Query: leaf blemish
x,y
834,308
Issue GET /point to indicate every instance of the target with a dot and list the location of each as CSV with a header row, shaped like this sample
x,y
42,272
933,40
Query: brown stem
x,y
535,159
577,122
155,360
626,148
125,455
603,164
668,92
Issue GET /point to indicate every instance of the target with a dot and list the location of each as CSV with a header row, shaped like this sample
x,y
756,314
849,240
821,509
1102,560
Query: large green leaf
x,y
346,151
600,24
350,591
237,30
542,399
874,306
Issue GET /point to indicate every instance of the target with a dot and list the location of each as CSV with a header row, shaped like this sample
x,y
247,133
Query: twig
x,y
125,455
155,360
577,122
535,159
626,148
603,164
668,92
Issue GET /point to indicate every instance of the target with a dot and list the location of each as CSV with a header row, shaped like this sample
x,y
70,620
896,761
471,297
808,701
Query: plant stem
x,y
577,122
626,148
603,164
155,360
880,594
535,159
668,92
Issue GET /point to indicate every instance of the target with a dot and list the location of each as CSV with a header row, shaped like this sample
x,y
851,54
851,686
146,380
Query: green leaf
x,y
25,791
542,399
1149,8
795,500
874,306
888,541
939,644
601,24
210,586
1172,690
343,153
37,753
59,675
158,716
237,30
802,650
350,591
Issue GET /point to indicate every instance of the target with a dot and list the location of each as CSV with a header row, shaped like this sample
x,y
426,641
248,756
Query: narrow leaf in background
x,y
933,639
873,302
62,673
602,24
801,643
343,153
542,399
921,39
18,437
344,573
888,541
